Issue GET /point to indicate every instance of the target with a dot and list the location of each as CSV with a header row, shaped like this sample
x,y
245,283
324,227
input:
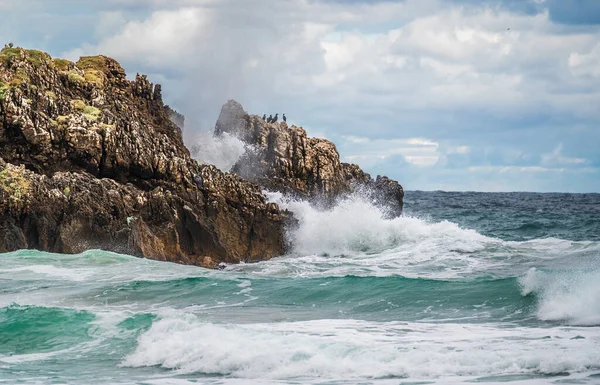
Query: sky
x,y
456,95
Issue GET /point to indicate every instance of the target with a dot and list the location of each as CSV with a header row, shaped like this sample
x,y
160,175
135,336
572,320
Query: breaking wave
x,y
355,238
566,296
349,349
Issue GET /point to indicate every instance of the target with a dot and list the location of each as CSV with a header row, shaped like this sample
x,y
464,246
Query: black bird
x,y
276,118
265,117
270,120
284,118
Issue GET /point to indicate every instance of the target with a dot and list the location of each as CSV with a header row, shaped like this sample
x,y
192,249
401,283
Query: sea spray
x,y
222,151
571,296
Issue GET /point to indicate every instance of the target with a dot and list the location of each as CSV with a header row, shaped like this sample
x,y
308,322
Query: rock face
x,y
89,159
287,160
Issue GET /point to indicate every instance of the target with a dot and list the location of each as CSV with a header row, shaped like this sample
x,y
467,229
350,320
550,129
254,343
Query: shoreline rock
x,y
89,159
287,160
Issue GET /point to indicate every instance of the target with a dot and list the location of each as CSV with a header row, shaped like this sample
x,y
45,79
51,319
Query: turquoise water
x,y
465,288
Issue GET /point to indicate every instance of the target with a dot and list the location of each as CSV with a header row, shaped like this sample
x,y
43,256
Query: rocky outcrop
x,y
89,159
285,159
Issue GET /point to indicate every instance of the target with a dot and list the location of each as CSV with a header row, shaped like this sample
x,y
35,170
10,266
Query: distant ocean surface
x,y
464,288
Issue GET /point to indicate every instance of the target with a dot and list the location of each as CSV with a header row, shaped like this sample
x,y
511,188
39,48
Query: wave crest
x,y
350,349
569,296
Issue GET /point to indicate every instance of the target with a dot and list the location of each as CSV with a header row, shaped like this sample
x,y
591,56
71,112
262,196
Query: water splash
x,y
223,151
566,296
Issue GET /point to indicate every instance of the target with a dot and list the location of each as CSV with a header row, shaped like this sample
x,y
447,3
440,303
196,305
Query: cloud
x,y
413,86
556,158
413,151
586,64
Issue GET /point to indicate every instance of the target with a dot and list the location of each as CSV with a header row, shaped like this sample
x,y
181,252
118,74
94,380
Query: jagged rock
x,y
287,160
89,159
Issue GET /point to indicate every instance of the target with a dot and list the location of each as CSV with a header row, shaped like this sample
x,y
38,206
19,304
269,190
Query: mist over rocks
x,y
89,159
286,160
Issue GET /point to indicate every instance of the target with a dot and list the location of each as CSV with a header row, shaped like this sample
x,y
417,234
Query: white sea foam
x,y
355,238
223,151
350,349
568,296
357,225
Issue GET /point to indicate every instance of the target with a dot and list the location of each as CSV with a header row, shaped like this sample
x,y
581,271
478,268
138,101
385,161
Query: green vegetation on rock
x,y
62,119
8,54
78,104
3,91
94,76
61,64
14,183
75,77
91,113
35,57
97,63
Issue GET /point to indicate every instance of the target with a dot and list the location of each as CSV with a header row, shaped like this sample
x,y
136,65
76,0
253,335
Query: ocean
x,y
464,288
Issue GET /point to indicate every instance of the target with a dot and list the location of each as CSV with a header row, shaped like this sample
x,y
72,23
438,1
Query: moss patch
x,y
8,54
78,104
97,63
94,76
75,78
91,113
36,57
3,91
62,119
62,64
14,183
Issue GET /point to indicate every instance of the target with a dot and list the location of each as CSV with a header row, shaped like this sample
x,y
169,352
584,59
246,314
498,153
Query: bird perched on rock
x,y
284,118
265,117
276,118
270,120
